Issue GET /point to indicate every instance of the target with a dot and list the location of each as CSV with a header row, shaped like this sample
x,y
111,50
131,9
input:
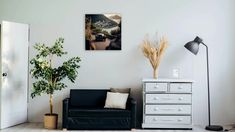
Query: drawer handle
x,y
180,87
181,98
180,109
156,109
180,119
156,86
155,98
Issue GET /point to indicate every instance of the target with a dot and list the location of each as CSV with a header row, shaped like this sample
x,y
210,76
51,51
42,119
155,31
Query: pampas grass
x,y
153,51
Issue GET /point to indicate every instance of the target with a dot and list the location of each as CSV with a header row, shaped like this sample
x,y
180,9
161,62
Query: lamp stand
x,y
210,127
214,128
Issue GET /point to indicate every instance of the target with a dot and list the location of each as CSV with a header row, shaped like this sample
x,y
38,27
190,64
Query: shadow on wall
x,y
37,114
136,93
226,74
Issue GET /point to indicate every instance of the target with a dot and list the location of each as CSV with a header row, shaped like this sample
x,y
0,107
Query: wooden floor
x,y
38,127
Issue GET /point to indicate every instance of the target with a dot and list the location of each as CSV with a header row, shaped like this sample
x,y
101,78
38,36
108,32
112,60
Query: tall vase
x,y
155,73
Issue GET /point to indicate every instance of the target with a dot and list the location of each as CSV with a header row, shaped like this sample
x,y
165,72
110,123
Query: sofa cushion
x,y
121,90
87,98
98,112
116,100
99,123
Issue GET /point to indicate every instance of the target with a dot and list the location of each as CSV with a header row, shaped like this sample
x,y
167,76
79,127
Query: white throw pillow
x,y
116,100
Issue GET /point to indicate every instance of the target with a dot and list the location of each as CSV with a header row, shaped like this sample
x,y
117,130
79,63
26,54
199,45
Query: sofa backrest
x,y
88,98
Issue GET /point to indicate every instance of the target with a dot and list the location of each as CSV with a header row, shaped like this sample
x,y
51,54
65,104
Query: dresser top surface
x,y
167,80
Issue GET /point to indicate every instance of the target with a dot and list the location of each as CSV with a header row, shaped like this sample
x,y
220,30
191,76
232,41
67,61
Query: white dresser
x,y
167,103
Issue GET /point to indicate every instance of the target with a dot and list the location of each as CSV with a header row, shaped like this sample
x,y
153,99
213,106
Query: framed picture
x,y
103,32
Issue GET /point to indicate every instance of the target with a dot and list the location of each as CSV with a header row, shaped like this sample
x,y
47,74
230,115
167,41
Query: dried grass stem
x,y
153,50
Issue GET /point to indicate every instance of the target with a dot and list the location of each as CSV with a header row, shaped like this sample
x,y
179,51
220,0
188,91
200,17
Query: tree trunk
x,y
51,105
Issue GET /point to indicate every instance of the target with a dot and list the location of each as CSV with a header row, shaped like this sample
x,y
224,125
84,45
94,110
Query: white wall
x,y
180,20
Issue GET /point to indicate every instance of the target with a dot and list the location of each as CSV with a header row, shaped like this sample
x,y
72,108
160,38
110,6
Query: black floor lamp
x,y
193,46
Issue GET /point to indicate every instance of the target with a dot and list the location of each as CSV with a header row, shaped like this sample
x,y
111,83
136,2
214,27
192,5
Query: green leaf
x,y
49,78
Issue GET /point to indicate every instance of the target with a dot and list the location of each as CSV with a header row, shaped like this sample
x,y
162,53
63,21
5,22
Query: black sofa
x,y
84,110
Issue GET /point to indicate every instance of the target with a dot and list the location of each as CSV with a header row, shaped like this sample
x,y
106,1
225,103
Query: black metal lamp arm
x,y
208,82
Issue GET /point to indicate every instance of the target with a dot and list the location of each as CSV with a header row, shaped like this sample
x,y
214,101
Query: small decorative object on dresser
x,y
153,50
167,103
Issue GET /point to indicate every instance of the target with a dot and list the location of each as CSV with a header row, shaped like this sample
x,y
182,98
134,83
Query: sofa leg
x,y
64,129
133,130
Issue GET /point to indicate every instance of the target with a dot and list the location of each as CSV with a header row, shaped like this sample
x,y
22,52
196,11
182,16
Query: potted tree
x,y
49,78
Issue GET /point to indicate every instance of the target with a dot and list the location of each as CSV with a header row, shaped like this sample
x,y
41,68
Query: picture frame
x,y
103,31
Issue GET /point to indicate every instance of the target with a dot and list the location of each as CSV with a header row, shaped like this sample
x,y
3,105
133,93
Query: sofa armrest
x,y
132,105
65,112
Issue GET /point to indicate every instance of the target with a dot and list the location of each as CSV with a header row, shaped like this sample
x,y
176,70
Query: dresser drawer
x,y
168,119
158,87
168,109
181,87
169,98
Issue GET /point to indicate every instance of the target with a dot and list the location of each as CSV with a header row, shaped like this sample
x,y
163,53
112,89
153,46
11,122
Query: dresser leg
x,y
133,130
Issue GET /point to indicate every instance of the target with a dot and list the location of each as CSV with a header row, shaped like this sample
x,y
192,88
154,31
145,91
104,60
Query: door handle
x,y
4,74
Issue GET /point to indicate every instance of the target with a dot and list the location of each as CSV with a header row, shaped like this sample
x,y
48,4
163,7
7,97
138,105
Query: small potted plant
x,y
49,78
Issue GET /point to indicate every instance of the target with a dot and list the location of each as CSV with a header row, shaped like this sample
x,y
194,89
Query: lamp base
x,y
214,128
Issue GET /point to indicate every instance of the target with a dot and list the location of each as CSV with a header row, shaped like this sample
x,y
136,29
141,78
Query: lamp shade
x,y
193,46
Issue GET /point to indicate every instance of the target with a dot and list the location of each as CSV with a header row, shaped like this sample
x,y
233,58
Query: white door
x,y
14,73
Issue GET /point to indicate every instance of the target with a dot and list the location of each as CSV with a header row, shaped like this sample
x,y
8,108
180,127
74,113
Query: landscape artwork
x,y
103,32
